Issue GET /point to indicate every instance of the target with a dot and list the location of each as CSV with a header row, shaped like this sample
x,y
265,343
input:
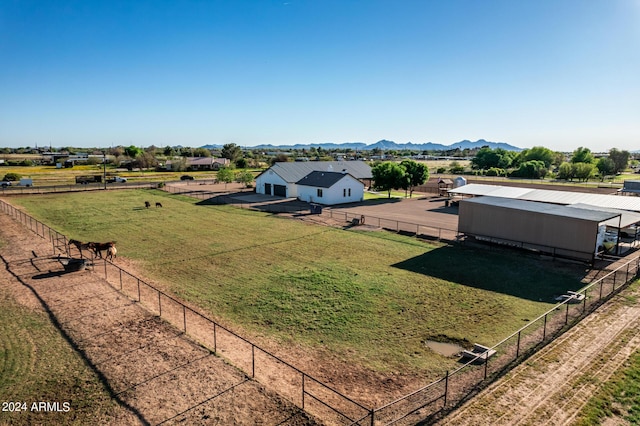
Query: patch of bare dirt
x,y
155,372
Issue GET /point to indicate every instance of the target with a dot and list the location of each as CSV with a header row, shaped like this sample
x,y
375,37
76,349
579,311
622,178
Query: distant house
x,y
202,163
330,188
282,179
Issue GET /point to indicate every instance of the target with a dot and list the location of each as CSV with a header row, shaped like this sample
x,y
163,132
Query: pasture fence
x,y
328,404
94,186
304,390
301,208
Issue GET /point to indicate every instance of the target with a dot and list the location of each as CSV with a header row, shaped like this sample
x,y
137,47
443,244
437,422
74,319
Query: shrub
x,y
12,176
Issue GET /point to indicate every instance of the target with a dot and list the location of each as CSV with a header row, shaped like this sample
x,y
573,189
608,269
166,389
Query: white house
x,y
282,179
330,188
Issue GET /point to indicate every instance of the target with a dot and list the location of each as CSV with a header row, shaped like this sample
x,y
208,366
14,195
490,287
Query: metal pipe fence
x,y
304,390
322,400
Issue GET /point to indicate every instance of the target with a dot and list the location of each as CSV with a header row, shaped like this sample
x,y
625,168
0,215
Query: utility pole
x,y
104,168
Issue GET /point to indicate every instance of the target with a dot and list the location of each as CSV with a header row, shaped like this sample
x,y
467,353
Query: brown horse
x,y
98,248
79,245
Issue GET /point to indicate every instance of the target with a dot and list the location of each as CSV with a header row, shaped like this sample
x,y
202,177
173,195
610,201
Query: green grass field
x,y
374,296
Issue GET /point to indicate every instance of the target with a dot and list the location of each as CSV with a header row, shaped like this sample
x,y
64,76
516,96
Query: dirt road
x,y
554,384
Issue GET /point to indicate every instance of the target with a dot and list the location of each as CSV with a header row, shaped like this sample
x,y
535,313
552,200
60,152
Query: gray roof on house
x,y
293,172
321,179
546,208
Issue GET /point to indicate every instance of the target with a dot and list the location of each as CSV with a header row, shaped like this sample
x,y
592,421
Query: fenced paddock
x,y
321,400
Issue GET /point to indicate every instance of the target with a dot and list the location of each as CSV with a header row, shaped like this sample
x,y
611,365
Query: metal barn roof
x,y
551,196
545,208
628,218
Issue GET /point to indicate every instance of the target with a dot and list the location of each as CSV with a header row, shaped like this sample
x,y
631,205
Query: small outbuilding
x,y
444,185
330,188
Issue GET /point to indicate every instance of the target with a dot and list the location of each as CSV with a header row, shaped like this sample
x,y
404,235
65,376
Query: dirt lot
x,y
155,373
554,384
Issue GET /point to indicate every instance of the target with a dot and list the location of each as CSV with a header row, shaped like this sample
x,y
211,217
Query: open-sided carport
x,y
561,231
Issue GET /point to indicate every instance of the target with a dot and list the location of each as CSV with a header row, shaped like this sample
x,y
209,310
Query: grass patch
x,y
37,364
376,296
619,398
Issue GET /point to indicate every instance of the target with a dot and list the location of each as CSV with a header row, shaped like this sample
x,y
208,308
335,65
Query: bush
x,y
441,170
12,176
494,171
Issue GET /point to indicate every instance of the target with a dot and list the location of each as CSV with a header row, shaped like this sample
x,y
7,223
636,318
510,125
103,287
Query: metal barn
x,y
553,229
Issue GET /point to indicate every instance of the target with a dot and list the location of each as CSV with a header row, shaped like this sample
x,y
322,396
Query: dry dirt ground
x,y
156,373
554,384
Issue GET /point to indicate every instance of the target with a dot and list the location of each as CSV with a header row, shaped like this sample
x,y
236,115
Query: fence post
x,y
303,391
372,420
518,346
215,340
614,281
446,388
566,316
601,283
184,317
253,361
159,306
120,270
544,329
486,364
138,290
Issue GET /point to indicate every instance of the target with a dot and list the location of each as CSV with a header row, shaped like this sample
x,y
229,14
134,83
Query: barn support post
x,y
518,345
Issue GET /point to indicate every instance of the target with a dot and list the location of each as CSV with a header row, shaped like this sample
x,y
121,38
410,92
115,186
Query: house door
x,y
267,188
280,190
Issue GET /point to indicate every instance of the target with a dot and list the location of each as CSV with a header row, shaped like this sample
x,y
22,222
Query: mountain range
x,y
389,145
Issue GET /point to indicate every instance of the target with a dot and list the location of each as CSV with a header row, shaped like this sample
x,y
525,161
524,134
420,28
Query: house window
x,y
349,192
344,192
319,192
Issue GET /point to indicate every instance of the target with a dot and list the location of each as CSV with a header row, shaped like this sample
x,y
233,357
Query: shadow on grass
x,y
516,274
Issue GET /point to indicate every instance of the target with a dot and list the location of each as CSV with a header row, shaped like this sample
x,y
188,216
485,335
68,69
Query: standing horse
x,y
111,253
98,248
79,245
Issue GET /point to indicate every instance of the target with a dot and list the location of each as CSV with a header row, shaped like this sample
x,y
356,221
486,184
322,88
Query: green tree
x,y
231,151
487,158
225,175
279,158
132,151
455,167
241,163
245,177
416,174
533,169
388,176
582,155
565,171
539,153
583,171
12,176
620,160
201,152
605,166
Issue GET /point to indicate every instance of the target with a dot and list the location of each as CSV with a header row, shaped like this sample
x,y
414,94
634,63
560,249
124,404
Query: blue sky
x,y
556,73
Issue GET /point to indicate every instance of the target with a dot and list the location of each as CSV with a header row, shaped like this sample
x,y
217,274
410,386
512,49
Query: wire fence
x,y
303,208
304,390
321,400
